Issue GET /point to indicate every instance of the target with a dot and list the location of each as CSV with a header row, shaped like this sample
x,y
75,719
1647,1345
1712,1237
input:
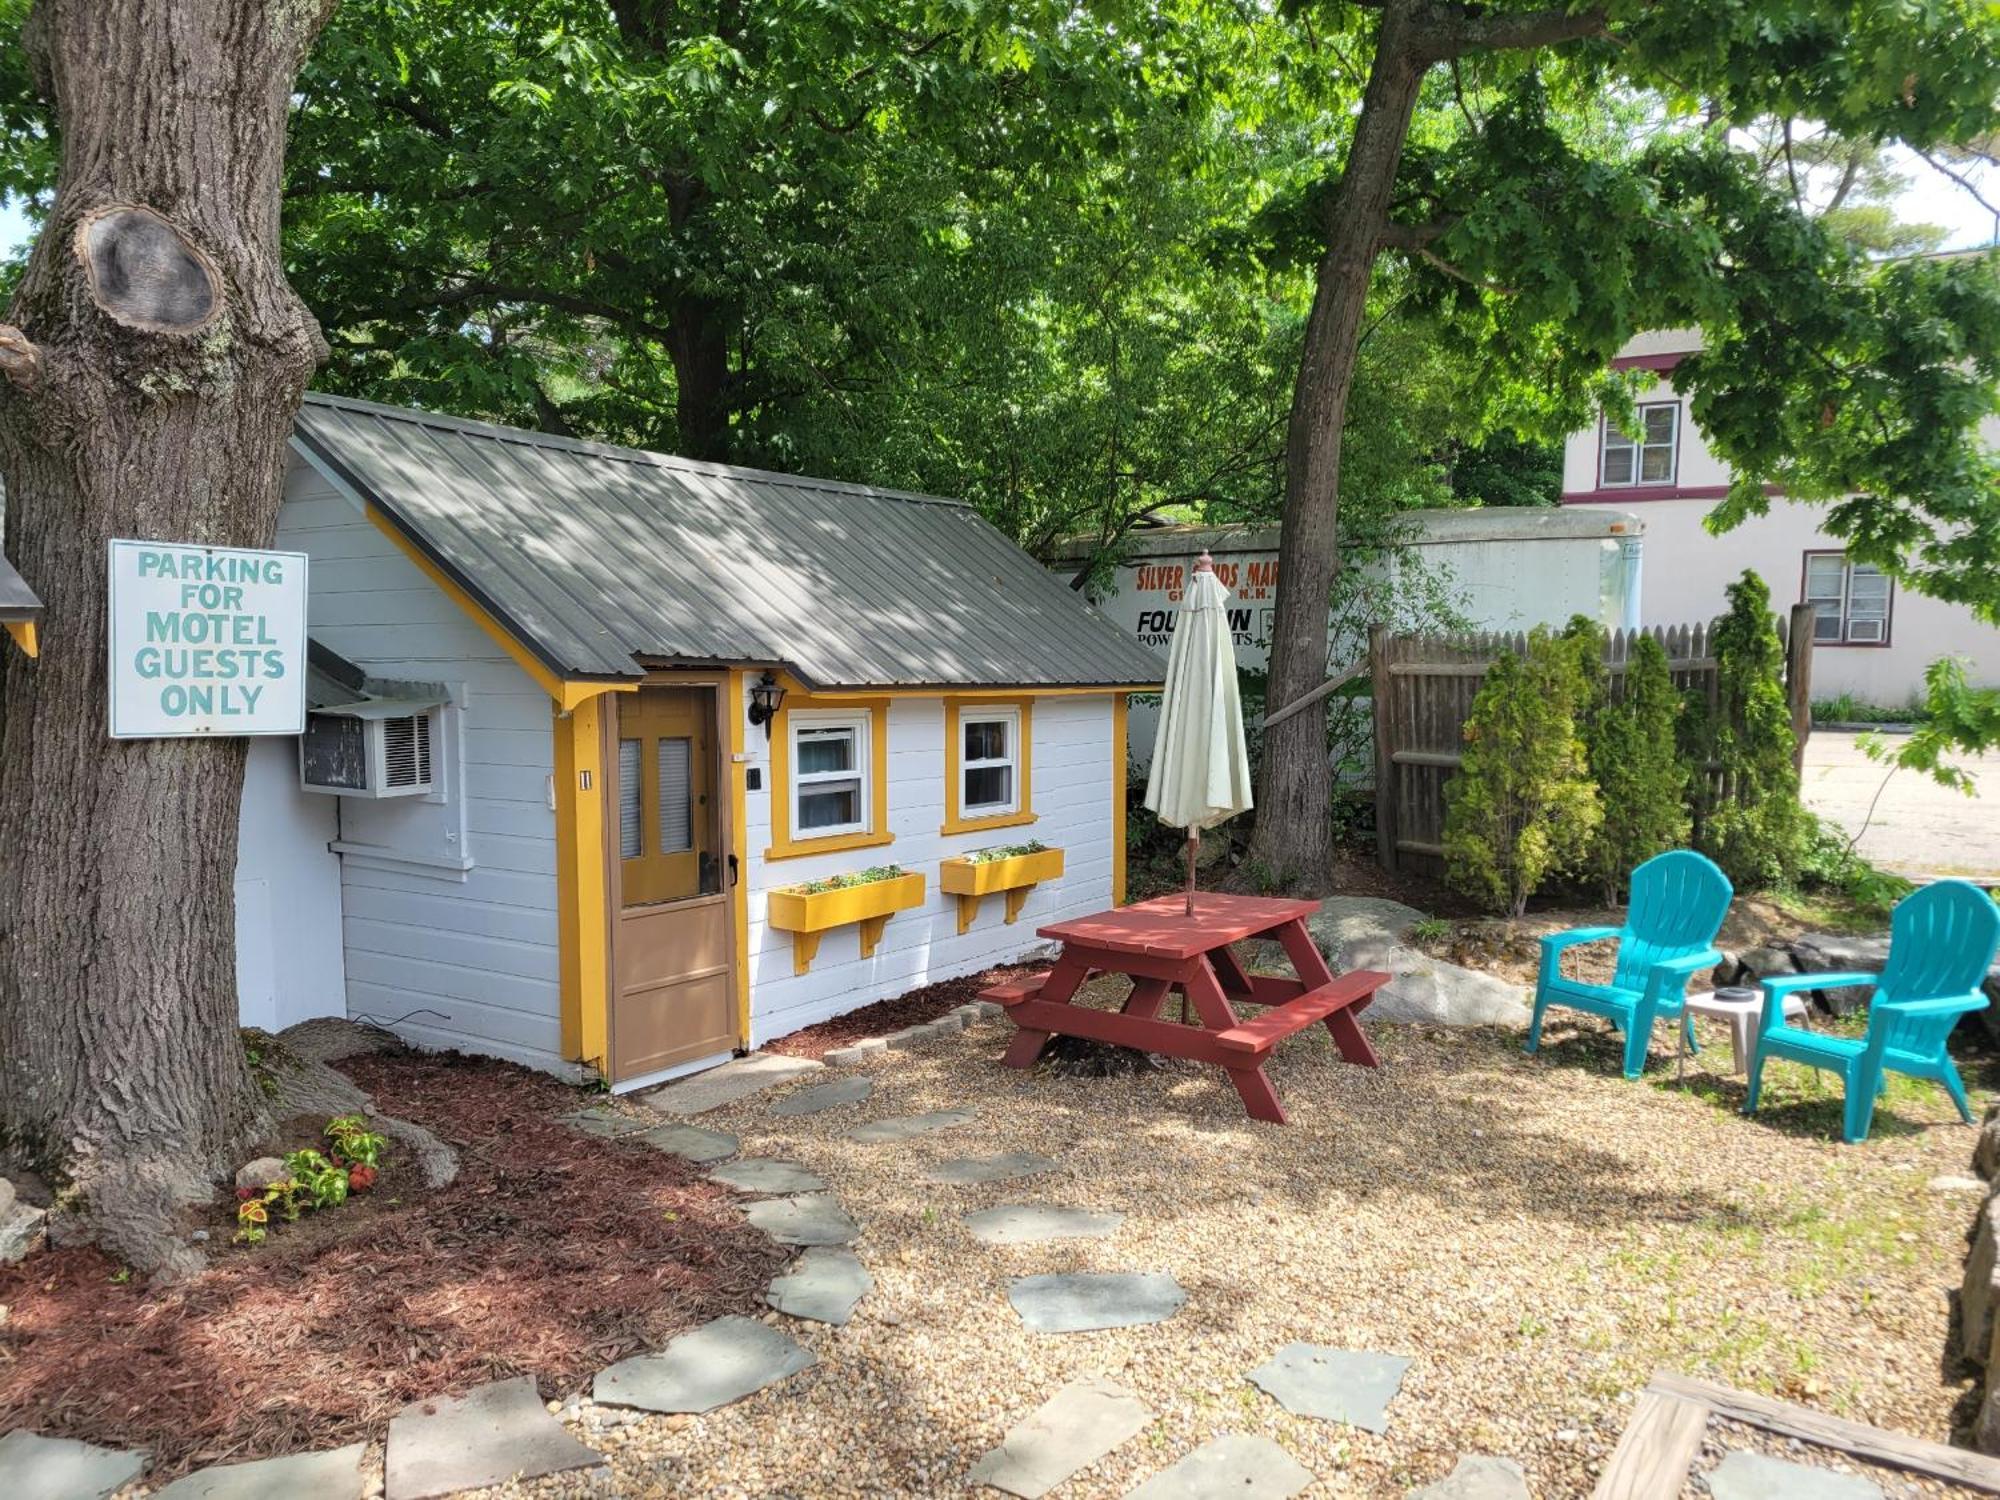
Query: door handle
x,y
732,872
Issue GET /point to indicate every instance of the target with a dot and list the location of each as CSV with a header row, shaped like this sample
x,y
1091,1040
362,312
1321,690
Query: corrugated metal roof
x,y
17,600
598,556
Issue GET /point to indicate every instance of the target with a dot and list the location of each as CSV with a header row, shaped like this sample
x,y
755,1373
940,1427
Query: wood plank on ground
x,y
1658,1447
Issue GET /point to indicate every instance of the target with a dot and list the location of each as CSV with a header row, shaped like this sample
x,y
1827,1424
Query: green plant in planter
x,y
1004,851
845,882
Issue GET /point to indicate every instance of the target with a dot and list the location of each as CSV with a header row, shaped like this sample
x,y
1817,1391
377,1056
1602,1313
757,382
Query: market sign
x,y
206,640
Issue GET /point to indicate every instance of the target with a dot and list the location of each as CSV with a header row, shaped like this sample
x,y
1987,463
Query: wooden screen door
x,y
673,995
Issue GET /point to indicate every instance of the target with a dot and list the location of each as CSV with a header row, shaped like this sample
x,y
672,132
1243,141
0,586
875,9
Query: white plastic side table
x,y
1743,1016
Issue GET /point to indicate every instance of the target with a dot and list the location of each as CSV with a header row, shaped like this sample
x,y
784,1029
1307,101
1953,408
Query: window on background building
x,y
989,763
1851,601
1647,458
829,774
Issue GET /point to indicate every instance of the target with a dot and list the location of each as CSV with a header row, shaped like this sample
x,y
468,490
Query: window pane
x,y
1867,583
989,786
1656,466
830,804
824,750
1825,576
631,840
1826,623
1660,424
1618,458
986,739
676,797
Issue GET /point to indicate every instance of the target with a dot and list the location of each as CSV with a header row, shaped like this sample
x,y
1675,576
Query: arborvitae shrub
x,y
1756,829
1640,777
1522,806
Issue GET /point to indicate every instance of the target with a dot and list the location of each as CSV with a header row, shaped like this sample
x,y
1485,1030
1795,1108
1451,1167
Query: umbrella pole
x,y
1193,845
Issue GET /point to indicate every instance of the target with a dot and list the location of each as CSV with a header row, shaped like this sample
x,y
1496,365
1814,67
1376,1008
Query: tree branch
x,y
1442,32
20,360
1963,181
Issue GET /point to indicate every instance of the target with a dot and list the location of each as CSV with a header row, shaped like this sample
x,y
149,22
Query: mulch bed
x,y
885,1016
553,1254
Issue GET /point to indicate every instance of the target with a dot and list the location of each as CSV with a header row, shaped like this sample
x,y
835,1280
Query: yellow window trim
x,y
26,636
1121,712
954,776
567,693
830,696
783,845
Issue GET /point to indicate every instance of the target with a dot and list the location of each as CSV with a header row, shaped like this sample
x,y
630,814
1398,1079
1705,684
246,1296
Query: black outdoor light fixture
x,y
765,696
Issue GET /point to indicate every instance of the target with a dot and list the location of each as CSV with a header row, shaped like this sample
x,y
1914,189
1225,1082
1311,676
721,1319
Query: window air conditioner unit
x,y
377,748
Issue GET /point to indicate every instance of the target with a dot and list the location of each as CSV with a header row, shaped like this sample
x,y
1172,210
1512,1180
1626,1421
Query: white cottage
x,y
584,718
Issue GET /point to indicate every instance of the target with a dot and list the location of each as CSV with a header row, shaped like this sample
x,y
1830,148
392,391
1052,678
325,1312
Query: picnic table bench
x,y
1164,949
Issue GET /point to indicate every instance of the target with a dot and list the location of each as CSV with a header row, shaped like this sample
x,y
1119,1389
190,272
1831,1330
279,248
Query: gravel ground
x,y
1725,1437
1537,1234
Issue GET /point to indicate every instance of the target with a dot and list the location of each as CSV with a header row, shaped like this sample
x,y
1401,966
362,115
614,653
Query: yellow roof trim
x,y
26,636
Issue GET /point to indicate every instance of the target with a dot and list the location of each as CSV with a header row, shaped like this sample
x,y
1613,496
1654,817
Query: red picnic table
x,y
1164,948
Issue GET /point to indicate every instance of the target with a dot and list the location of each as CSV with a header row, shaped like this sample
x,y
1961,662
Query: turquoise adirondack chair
x,y
1678,902
1942,940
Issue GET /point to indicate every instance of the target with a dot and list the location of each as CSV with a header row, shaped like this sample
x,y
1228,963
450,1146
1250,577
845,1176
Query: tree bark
x,y
1293,840
157,405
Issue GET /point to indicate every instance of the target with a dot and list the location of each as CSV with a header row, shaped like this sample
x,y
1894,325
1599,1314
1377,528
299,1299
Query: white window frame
x,y
1610,437
1840,608
968,810
862,724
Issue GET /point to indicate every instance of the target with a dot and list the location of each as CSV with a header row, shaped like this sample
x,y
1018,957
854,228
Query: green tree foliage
x,y
1522,806
1756,827
1956,719
1641,779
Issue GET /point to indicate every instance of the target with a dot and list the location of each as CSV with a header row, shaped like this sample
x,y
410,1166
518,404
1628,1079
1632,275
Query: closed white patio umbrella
x,y
1201,765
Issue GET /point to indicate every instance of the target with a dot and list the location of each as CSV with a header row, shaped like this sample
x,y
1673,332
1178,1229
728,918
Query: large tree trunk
x,y
149,392
1294,805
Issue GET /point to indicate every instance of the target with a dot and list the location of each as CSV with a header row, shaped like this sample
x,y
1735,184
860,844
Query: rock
x,y
1345,920
1005,1167
1990,1017
1036,1223
908,1127
1979,1292
328,1039
1753,964
843,1057
608,1123
690,1142
737,1079
1073,1429
825,1096
909,1036
1478,1478
822,1285
1335,1385
1955,1182
1832,953
1080,1302
334,1474
711,1366
22,1229
487,1436
766,1174
809,1219
6,1196
261,1173
1432,991
41,1468
1758,1476
1986,1155
1254,1468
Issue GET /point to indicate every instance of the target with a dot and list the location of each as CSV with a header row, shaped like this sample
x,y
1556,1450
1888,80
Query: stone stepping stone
x,y
1233,1465
825,1096
602,1122
1476,1477
1758,1476
1033,1223
1079,1302
1336,1385
33,1467
716,1364
1005,1167
822,1285
738,1079
809,1219
1071,1430
485,1437
908,1127
690,1142
767,1174
332,1475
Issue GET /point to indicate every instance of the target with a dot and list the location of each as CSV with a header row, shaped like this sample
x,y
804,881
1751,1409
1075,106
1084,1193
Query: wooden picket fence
x,y
1423,690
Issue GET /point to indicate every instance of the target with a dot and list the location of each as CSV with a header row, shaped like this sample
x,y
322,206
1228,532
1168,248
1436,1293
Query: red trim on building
x,y
1620,494
1647,361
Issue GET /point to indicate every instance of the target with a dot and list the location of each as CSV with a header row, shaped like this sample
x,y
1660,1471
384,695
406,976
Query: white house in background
x,y
579,715
1873,640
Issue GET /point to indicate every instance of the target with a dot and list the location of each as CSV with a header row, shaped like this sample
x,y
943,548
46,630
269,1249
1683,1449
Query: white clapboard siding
x,y
1073,788
468,962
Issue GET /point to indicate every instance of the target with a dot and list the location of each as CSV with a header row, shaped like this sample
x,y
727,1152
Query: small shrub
x,y
1522,806
1756,829
354,1141
1640,778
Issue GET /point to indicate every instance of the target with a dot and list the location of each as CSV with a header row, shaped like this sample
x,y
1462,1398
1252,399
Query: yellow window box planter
x,y
1015,874
806,915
